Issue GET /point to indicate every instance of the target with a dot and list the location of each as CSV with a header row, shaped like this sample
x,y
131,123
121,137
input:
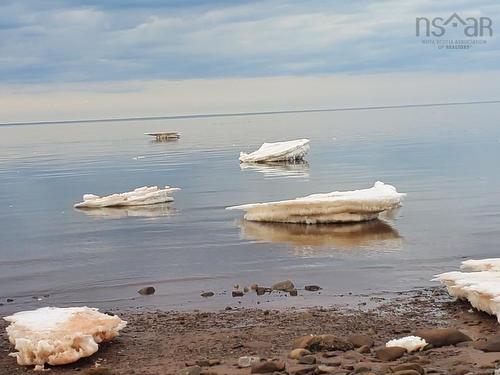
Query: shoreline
x,y
166,342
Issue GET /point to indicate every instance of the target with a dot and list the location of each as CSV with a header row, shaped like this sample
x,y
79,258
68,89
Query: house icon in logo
x,y
470,26
456,19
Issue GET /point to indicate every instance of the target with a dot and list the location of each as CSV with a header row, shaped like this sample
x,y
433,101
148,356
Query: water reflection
x,y
279,169
351,236
155,210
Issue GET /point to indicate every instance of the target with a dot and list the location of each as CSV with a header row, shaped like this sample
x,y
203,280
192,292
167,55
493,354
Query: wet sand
x,y
165,342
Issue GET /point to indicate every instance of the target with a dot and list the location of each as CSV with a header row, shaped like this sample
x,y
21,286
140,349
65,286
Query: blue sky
x,y
99,41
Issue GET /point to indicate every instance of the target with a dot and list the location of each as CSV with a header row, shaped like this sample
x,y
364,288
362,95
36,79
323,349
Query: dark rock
x,y
146,291
284,286
265,367
362,367
322,343
99,371
237,293
442,336
10,300
390,354
491,344
307,359
360,340
312,288
207,294
260,290
293,293
407,372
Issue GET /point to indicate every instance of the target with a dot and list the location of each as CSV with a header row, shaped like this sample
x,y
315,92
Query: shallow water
x,y
446,159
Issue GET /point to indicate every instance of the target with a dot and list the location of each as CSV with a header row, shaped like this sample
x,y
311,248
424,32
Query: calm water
x,y
446,159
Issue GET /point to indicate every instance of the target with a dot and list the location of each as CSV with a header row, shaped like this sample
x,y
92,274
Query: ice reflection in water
x,y
155,210
279,169
374,233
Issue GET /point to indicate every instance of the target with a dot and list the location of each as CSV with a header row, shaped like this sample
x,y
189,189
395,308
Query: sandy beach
x,y
169,342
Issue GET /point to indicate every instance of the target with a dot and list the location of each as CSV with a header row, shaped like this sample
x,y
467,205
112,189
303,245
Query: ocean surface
x,y
447,159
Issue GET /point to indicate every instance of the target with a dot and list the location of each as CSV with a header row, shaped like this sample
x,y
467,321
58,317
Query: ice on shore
x,y
410,343
335,207
142,196
481,287
492,264
59,336
277,151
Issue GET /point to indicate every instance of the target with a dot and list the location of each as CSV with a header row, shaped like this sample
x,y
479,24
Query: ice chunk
x,y
492,264
139,197
278,151
335,207
481,289
410,343
58,336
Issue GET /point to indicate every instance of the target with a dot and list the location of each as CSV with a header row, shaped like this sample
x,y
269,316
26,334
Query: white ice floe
x,y
481,288
410,343
277,151
492,264
335,207
58,336
142,196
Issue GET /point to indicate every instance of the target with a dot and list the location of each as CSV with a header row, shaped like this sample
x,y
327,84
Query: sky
x,y
70,49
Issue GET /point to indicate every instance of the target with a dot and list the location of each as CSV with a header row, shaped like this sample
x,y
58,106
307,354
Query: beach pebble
x,y
307,360
324,369
364,349
237,293
247,361
293,292
260,290
253,286
146,291
265,367
284,286
322,343
193,370
390,353
360,340
491,344
407,367
207,294
297,353
312,288
442,336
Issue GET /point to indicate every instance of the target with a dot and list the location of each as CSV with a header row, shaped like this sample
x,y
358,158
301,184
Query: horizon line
x,y
241,114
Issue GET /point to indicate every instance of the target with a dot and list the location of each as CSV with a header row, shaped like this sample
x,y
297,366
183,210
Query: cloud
x,y
88,40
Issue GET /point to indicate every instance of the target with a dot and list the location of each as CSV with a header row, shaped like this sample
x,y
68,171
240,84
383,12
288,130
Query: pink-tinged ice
x,y
278,151
139,197
58,336
335,207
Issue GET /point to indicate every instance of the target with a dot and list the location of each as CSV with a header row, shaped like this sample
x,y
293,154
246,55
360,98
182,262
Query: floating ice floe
x,y
58,336
139,197
335,207
410,343
277,151
480,288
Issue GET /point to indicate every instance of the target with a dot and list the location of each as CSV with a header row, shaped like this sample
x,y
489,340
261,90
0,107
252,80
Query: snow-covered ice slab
x,y
139,197
59,336
335,207
492,264
480,288
277,151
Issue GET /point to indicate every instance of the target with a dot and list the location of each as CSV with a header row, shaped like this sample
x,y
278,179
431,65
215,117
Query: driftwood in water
x,y
165,136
